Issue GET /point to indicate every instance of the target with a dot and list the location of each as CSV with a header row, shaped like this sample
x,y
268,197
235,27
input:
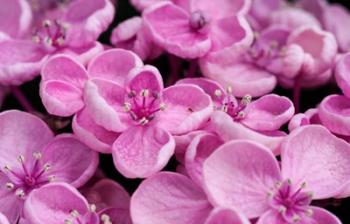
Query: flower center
x,y
230,105
27,176
291,202
89,218
143,106
198,20
51,34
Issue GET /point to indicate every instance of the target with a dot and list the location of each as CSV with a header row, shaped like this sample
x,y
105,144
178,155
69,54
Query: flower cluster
x,y
217,134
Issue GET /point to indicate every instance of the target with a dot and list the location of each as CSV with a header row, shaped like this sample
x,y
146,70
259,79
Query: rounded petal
x,y
147,77
71,161
142,151
23,134
334,114
87,19
92,134
293,18
3,219
113,65
309,117
201,147
57,200
243,78
85,53
169,26
124,34
261,10
117,216
342,74
239,175
226,216
187,108
312,155
322,216
271,217
143,4
268,113
169,198
228,129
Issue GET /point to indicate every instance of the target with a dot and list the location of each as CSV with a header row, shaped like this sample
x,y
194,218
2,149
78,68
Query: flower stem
x,y
21,98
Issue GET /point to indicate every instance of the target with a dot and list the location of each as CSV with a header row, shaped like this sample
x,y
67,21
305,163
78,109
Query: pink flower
x,y
3,219
72,29
32,157
172,198
309,117
192,29
245,175
58,203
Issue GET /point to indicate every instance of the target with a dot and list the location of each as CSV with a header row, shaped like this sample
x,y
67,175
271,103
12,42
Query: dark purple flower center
x,y
143,106
28,175
198,20
91,217
52,34
293,203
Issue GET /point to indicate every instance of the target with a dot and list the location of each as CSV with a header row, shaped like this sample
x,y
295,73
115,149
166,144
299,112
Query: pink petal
x,y
261,10
147,77
114,65
18,17
309,117
334,114
293,18
3,219
71,161
85,53
169,26
87,20
187,108
201,147
117,216
169,198
228,130
271,217
239,175
21,134
57,200
140,5
322,216
92,134
268,113
311,154
20,61
316,7
243,78
142,151
342,74
226,216
124,35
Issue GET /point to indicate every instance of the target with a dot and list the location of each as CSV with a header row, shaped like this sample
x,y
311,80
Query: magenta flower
x,y
192,29
32,157
146,115
245,175
3,219
62,203
173,198
72,29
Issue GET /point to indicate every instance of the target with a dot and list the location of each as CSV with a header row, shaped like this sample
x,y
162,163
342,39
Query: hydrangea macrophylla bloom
x,y
147,115
266,114
68,30
184,202
62,203
314,165
201,27
108,195
62,86
32,157
3,219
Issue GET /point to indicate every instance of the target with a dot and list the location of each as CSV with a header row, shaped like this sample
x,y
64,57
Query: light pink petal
x,y
334,112
169,26
71,160
226,216
3,219
114,65
92,134
142,151
104,100
271,217
169,198
243,78
147,77
85,53
316,7
87,19
187,108
239,175
322,216
342,74
140,5
228,130
201,147
20,61
17,17
268,113
21,134
293,18
57,200
261,10
124,35
311,154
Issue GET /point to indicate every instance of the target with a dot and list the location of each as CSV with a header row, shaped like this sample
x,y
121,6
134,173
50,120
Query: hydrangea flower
x,y
28,39
245,175
30,157
63,203
173,198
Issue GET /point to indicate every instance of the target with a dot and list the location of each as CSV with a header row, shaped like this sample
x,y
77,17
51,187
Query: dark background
x,y
309,99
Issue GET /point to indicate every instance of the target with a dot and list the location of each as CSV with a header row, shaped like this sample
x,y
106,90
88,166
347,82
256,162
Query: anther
x,y
10,186
240,115
92,208
37,155
144,121
127,107
229,89
162,106
67,221
296,218
47,167
309,212
7,168
20,159
106,219
20,193
47,23
218,93
247,99
282,209
144,92
51,178
74,213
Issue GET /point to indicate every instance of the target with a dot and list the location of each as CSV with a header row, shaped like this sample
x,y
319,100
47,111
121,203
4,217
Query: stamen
x,y
47,167
51,178
20,193
296,218
21,159
106,219
127,107
92,208
162,106
144,92
247,99
10,186
37,155
74,213
218,93
309,212
67,221
229,89
144,121
240,115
